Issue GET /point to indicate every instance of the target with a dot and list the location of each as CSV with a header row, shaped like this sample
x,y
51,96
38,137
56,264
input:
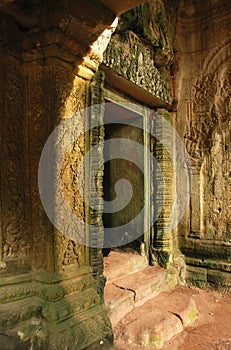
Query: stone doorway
x,y
127,121
157,243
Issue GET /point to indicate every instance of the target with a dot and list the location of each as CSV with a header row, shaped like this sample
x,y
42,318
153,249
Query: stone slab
x,y
118,264
150,328
124,294
159,319
118,302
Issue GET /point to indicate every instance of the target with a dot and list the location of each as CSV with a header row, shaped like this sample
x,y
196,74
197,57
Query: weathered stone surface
x,y
119,7
135,285
158,327
119,263
203,115
130,58
49,53
47,299
141,50
158,320
12,343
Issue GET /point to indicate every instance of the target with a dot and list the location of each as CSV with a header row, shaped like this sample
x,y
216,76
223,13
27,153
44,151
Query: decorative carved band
x,y
134,61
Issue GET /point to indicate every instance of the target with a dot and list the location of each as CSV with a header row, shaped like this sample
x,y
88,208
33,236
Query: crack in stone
x,y
129,289
178,316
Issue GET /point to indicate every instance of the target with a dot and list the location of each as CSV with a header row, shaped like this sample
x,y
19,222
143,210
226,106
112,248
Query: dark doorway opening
x,y
116,117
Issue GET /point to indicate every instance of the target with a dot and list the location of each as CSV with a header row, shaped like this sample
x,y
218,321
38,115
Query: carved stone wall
x,y
49,298
203,116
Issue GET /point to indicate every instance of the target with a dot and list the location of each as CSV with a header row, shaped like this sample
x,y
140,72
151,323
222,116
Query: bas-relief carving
x,y
130,58
68,252
53,93
92,325
50,292
141,49
72,180
69,306
40,102
82,335
203,118
207,141
48,91
13,211
222,98
215,172
38,124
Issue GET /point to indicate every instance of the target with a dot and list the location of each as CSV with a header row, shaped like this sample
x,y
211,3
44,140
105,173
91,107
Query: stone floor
x,y
210,331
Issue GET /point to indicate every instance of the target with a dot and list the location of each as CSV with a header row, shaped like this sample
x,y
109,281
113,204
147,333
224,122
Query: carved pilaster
x,y
162,246
50,300
15,244
203,117
95,218
195,204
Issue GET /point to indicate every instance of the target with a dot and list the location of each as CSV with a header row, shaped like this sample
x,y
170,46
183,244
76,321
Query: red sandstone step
x,y
156,321
119,264
124,294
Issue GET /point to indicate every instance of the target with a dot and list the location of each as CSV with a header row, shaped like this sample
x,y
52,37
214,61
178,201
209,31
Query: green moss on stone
x,y
172,277
192,315
138,20
157,341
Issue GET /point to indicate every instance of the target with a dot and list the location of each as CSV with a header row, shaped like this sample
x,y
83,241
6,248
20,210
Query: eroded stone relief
x,y
12,179
132,60
72,181
203,85
207,142
39,93
210,110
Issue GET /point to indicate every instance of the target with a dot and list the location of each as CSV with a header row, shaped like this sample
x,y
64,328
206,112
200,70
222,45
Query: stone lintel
x,y
132,59
120,83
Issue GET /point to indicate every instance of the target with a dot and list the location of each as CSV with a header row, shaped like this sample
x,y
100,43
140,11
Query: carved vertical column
x,y
203,114
53,93
163,240
56,92
96,135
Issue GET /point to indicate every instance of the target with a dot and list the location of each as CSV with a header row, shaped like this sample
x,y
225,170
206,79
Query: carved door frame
x,y
159,244
144,112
